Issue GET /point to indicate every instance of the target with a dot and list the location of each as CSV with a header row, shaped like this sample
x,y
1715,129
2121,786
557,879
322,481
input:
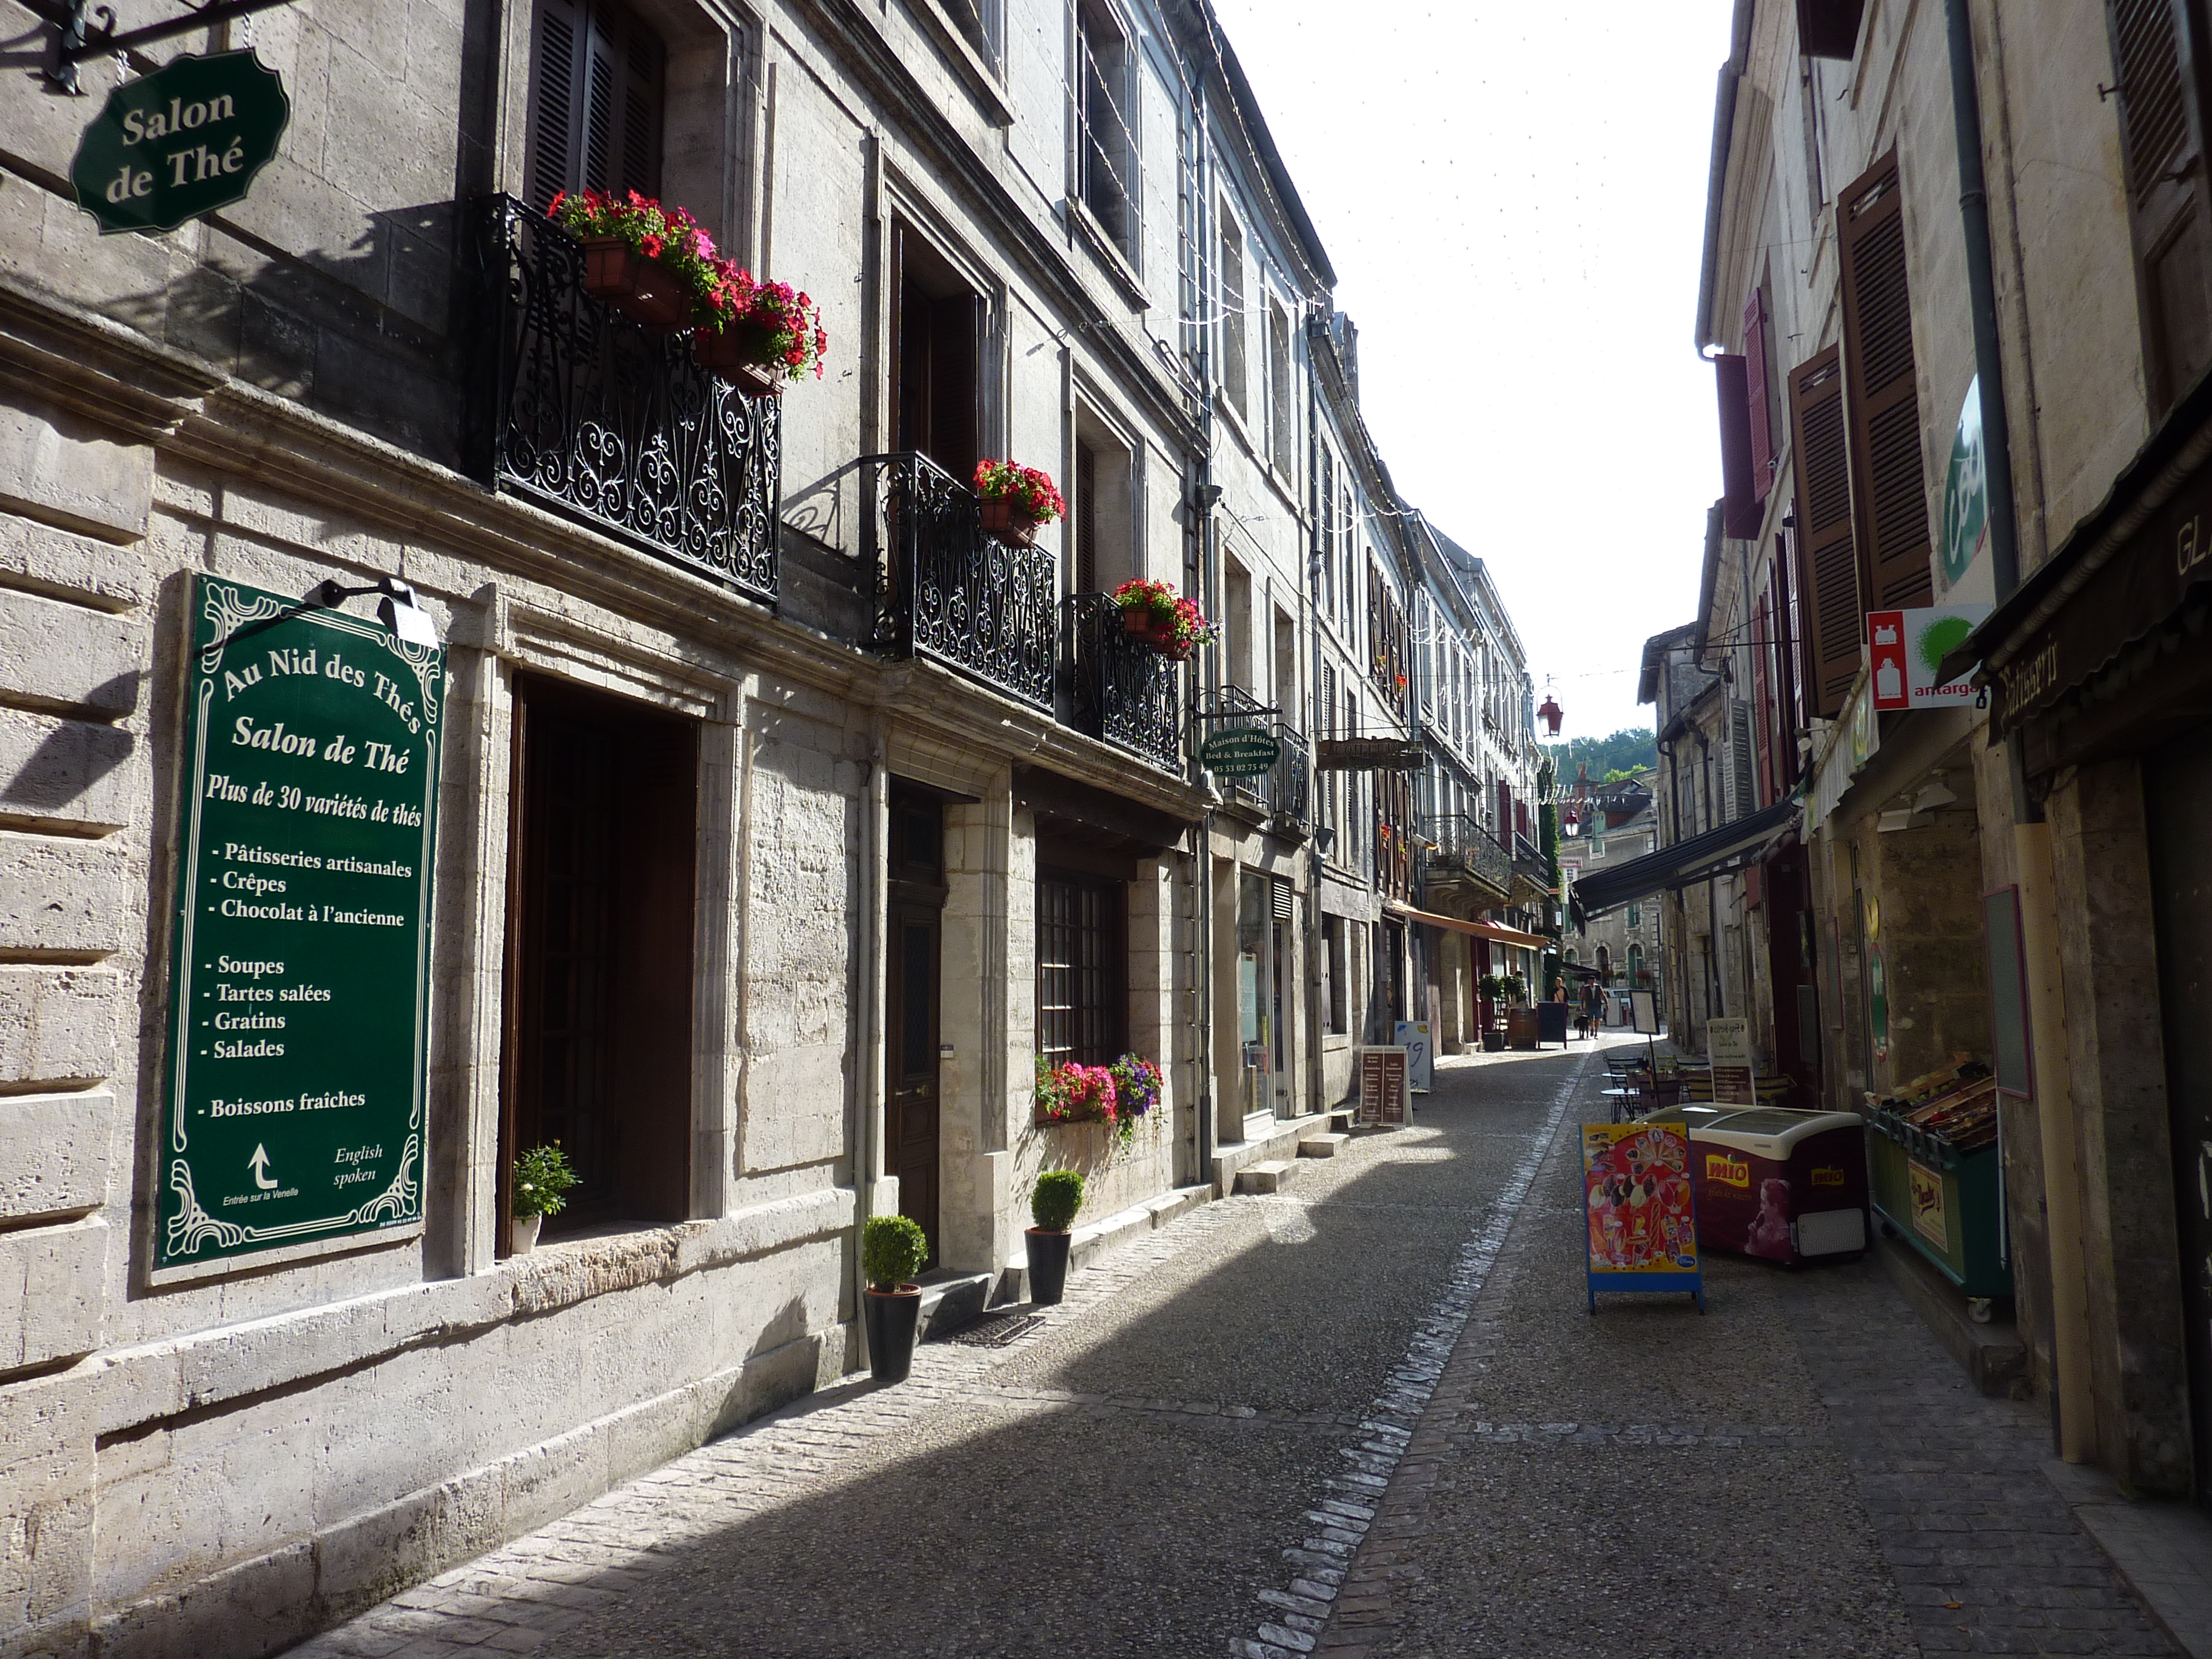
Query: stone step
x,y
1340,1122
1321,1145
1269,1176
949,1300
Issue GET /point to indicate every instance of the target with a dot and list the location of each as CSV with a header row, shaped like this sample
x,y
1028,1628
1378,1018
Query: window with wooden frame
x,y
2161,59
1105,147
937,350
1889,496
1282,402
1388,664
982,24
1081,1000
597,92
1232,310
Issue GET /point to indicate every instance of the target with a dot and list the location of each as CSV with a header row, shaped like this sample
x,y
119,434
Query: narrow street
x,y
1368,1415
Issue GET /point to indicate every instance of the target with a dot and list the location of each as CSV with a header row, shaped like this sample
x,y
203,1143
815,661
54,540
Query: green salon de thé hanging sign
x,y
182,142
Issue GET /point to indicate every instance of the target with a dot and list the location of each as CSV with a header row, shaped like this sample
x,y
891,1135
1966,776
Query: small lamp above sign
x,y
398,607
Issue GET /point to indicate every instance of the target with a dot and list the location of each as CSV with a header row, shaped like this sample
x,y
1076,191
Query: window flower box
x,y
1014,500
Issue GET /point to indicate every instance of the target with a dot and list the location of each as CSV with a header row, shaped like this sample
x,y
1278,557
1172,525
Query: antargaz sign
x,y
299,985
184,141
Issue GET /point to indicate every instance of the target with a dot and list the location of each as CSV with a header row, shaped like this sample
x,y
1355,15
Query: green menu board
x,y
299,1012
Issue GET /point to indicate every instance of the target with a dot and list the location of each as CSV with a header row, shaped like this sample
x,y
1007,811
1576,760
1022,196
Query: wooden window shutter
x,y
1782,667
1738,784
1827,562
2160,60
1889,496
1756,406
596,93
1739,513
1762,706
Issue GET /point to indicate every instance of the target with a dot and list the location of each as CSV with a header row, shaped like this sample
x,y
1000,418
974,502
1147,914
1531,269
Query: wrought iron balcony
x,y
1465,852
1281,795
948,592
580,409
1119,689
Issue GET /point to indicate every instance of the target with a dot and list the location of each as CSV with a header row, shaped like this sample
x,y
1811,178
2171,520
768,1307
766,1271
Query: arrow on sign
x,y
259,1164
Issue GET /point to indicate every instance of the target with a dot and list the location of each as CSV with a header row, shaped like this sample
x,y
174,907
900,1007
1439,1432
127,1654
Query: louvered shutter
x,y
596,89
1889,496
1762,706
1789,710
1738,778
2159,58
1756,406
1827,566
1739,513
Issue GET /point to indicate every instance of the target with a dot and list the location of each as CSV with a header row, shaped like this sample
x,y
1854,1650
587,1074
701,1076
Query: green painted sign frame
x,y
296,1111
182,142
1241,751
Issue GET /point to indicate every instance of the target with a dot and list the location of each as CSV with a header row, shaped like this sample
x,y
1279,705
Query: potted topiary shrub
x,y
1053,1202
892,1249
543,1176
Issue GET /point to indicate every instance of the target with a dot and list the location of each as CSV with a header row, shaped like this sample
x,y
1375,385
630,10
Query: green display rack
x,y
1947,1204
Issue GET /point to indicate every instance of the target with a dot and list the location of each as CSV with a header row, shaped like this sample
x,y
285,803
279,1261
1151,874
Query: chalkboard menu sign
x,y
299,1014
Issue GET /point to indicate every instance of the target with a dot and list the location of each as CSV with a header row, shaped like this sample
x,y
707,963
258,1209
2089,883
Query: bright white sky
x,y
1513,197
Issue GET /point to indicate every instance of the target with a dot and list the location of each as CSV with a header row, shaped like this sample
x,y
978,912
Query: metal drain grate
x,y
996,1330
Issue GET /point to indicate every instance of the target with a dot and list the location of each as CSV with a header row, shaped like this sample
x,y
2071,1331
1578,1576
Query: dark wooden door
x,y
2178,795
911,1113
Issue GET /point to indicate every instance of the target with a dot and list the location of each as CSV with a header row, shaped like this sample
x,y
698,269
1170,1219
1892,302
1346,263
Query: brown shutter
x,y
1782,667
1756,406
1889,497
1739,513
1827,565
596,91
2159,58
1762,707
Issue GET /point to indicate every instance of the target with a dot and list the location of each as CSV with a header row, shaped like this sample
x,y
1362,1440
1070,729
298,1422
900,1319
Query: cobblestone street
x,y
1365,1416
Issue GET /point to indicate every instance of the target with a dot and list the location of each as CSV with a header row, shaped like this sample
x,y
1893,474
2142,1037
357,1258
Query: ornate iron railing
x,y
981,607
1120,689
1465,851
603,419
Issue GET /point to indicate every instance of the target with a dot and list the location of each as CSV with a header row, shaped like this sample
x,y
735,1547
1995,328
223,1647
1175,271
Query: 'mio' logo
x,y
1827,1177
1719,1166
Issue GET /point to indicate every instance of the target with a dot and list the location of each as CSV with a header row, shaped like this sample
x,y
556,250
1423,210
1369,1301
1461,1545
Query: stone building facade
x,y
1956,294
885,808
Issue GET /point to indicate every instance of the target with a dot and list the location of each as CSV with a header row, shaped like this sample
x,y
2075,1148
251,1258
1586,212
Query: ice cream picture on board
x,y
1637,1203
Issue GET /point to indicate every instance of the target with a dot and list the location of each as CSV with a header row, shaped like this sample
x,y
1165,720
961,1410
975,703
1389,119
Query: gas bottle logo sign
x,y
1905,647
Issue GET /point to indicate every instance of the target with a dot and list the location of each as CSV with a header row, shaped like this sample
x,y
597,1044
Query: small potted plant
x,y
1153,612
1053,1202
892,1249
652,264
758,335
1074,1094
543,1176
1492,989
1136,1092
1015,500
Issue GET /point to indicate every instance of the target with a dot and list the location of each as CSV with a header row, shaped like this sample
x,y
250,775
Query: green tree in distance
x,y
1630,749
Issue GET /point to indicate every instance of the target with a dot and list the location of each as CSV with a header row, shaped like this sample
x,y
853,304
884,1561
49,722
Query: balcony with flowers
x,y
628,377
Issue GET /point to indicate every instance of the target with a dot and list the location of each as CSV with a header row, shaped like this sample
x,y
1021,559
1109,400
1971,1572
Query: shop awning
x,y
1494,932
2125,572
1683,862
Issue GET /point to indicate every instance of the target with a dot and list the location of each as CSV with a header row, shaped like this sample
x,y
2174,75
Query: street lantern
x,y
1551,711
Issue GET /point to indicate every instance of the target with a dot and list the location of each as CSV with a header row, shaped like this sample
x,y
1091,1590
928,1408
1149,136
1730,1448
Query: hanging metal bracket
x,y
76,38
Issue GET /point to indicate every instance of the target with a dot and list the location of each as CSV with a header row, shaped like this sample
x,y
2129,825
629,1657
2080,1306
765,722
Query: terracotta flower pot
x,y
740,353
644,290
1008,520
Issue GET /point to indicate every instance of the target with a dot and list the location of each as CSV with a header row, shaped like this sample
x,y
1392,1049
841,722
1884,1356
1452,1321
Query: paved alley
x,y
1368,1416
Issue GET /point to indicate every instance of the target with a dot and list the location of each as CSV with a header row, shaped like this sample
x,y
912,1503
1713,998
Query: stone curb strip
x,y
1344,1517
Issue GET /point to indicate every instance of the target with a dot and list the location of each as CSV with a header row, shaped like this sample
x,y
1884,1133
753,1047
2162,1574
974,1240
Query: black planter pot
x,y
1048,1264
892,1318
1493,1042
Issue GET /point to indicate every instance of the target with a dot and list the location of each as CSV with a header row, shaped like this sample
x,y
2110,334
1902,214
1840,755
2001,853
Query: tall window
x,y
1336,976
2158,53
596,93
1082,1008
1105,154
936,352
1281,405
1087,518
1232,310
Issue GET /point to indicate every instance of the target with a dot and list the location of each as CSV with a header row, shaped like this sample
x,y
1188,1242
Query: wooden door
x,y
910,1129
